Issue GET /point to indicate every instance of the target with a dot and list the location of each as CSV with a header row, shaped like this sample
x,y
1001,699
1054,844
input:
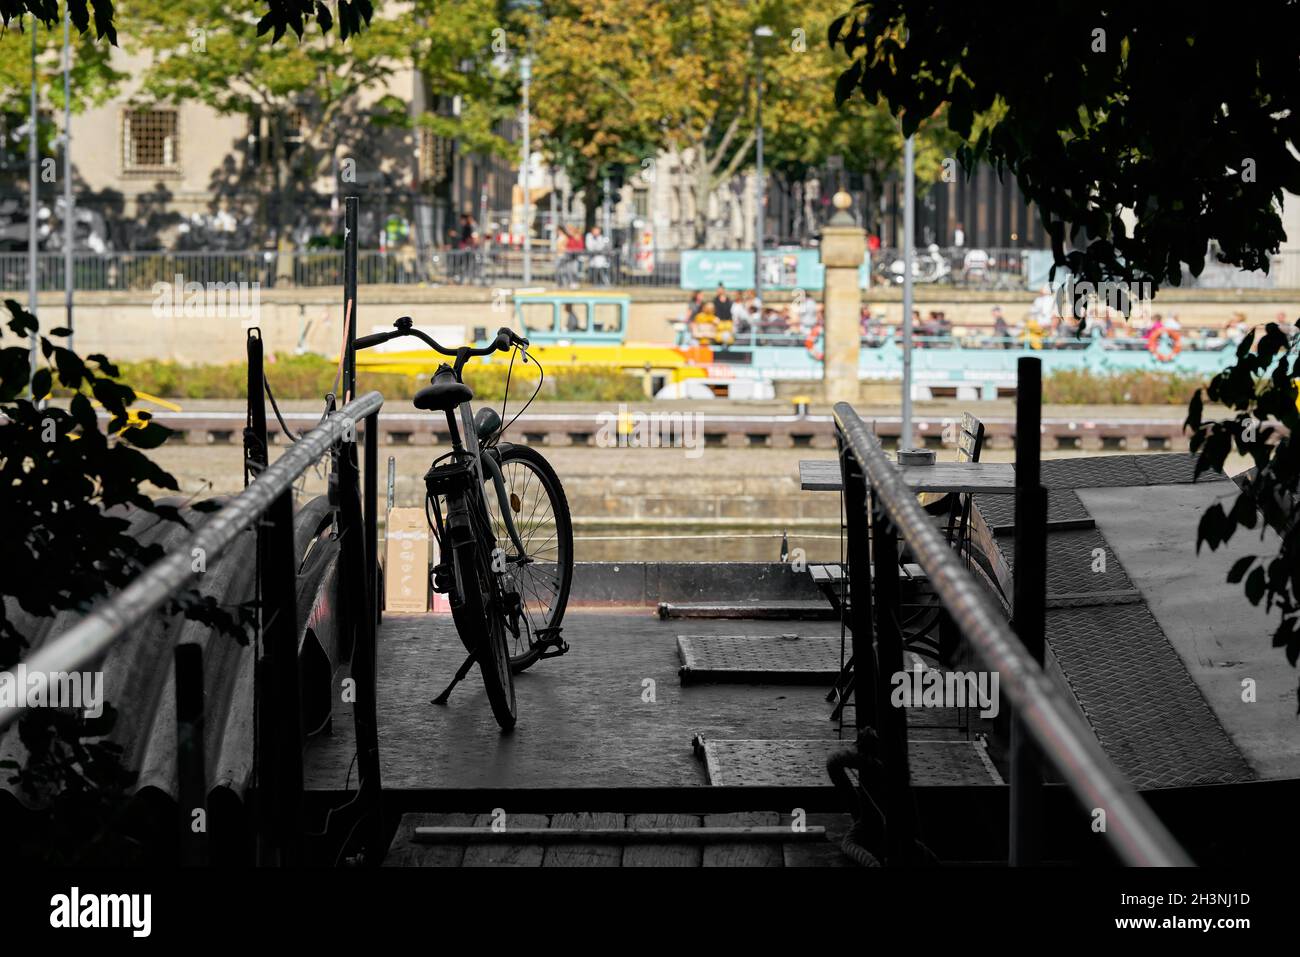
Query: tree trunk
x,y
701,188
590,199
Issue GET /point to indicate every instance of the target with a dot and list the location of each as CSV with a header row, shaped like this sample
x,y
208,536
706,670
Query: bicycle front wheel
x,y
540,513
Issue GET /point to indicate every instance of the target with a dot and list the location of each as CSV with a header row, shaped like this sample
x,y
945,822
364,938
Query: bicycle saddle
x,y
444,393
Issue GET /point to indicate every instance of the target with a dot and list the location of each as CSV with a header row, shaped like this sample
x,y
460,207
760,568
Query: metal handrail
x,y
95,634
1136,834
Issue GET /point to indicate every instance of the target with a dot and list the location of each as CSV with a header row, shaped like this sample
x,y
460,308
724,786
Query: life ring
x,y
811,343
1156,338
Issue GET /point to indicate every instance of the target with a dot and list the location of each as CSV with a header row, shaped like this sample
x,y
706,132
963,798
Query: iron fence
x,y
1012,270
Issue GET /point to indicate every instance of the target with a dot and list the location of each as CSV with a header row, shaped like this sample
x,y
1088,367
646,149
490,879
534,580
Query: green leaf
x,y
148,436
41,383
1255,585
1239,569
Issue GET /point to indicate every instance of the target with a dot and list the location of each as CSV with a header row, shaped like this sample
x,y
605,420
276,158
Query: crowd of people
x,y
724,317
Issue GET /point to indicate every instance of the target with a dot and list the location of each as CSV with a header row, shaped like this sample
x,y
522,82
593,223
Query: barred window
x,y
149,140
435,156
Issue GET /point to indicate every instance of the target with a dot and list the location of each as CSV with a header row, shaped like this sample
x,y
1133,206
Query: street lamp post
x,y
526,76
760,191
33,130
909,228
69,226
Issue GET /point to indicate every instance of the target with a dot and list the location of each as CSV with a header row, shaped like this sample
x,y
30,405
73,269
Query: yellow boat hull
x,y
631,357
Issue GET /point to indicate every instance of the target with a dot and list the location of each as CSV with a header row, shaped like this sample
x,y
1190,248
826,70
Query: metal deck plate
x,y
1128,680
1146,710
802,763
762,658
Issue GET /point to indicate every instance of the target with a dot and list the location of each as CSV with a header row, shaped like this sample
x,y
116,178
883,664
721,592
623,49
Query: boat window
x,y
538,316
609,317
573,317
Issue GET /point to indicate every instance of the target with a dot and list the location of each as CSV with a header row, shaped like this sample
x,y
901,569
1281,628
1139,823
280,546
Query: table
x,y
979,478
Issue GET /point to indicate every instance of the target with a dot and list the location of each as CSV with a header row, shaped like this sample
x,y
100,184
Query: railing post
x,y
191,767
280,775
361,623
891,722
1029,610
371,478
350,296
859,596
256,452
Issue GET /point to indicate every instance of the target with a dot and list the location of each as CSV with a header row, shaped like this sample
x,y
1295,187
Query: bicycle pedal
x,y
561,647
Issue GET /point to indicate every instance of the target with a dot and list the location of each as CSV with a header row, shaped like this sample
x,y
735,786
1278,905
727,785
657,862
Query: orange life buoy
x,y
1155,343
811,343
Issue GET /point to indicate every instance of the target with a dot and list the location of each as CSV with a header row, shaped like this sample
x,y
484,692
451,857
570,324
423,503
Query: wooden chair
x,y
919,627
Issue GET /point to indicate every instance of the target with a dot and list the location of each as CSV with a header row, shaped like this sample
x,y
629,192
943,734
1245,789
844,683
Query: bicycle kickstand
x,y
460,676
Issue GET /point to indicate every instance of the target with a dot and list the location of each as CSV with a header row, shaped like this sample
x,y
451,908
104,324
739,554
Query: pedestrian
x,y
1001,331
722,303
598,248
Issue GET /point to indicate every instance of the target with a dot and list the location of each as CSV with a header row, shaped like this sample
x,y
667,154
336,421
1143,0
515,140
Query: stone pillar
x,y
843,245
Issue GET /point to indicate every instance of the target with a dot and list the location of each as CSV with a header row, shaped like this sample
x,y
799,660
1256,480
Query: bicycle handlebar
x,y
505,338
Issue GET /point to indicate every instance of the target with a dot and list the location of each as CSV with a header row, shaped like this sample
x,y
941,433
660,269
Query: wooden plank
x,y
507,855
743,855
818,853
824,573
585,854
663,855
990,478
405,852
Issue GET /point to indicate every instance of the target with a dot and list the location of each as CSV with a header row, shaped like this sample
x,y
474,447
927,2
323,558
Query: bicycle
x,y
507,608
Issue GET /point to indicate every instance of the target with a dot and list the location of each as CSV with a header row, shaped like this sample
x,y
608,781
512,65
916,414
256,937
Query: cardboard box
x,y
407,548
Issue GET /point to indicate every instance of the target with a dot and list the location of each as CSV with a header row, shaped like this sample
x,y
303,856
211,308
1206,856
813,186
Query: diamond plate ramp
x,y
1062,506
802,763
776,659
1128,680
1146,710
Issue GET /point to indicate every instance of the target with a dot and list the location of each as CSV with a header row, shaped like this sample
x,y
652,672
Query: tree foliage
x,y
1184,123
616,85
64,544
278,17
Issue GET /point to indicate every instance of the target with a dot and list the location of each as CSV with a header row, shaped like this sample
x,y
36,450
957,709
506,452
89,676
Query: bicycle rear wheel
x,y
477,613
540,513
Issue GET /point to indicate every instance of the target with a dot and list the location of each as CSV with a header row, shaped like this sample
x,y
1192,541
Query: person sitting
x,y
704,329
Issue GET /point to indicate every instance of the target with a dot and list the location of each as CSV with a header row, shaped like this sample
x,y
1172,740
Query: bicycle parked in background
x,y
501,522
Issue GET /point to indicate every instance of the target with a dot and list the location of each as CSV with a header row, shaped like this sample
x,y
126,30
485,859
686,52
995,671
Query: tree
x,y
617,85
595,95
1189,123
280,17
304,89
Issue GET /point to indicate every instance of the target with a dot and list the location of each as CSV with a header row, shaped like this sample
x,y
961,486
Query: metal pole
x,y
891,722
69,213
526,74
32,164
350,297
909,227
1029,616
859,596
371,492
759,191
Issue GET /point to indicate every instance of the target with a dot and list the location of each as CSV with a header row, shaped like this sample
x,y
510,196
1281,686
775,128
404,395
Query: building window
x,y
149,141
435,157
